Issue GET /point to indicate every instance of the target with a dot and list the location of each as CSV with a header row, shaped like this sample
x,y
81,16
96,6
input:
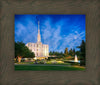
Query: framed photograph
x,y
49,42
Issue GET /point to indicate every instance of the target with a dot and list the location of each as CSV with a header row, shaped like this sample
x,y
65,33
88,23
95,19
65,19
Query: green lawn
x,y
47,68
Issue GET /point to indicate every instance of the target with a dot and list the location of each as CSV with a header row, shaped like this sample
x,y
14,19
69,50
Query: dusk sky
x,y
58,31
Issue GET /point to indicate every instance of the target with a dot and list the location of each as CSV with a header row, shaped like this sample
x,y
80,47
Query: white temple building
x,y
41,50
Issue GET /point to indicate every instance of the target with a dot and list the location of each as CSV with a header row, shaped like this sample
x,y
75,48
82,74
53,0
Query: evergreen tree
x,y
50,53
66,52
77,53
71,52
82,52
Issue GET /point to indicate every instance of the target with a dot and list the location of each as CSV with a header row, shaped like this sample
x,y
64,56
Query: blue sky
x,y
58,31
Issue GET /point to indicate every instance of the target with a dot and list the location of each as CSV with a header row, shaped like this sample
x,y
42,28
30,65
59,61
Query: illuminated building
x,y
41,50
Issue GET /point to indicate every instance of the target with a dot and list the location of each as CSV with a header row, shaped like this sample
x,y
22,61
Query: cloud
x,y
59,35
72,40
19,29
51,34
26,32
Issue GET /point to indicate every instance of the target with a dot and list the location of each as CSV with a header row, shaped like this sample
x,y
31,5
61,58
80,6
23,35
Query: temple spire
x,y
39,36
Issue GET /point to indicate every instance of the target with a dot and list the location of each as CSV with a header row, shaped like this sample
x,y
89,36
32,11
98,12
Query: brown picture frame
x,y
8,76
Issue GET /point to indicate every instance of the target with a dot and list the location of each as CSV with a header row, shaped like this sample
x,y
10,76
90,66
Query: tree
x,y
61,53
71,52
66,52
50,53
82,52
28,53
77,53
57,54
22,51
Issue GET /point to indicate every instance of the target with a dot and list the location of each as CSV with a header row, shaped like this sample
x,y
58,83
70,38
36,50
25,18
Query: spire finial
x,y
39,36
38,25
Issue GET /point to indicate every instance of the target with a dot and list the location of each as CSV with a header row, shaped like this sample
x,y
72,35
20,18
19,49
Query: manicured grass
x,y
47,68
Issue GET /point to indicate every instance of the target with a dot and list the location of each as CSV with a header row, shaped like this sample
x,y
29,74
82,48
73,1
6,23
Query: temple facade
x,y
41,50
